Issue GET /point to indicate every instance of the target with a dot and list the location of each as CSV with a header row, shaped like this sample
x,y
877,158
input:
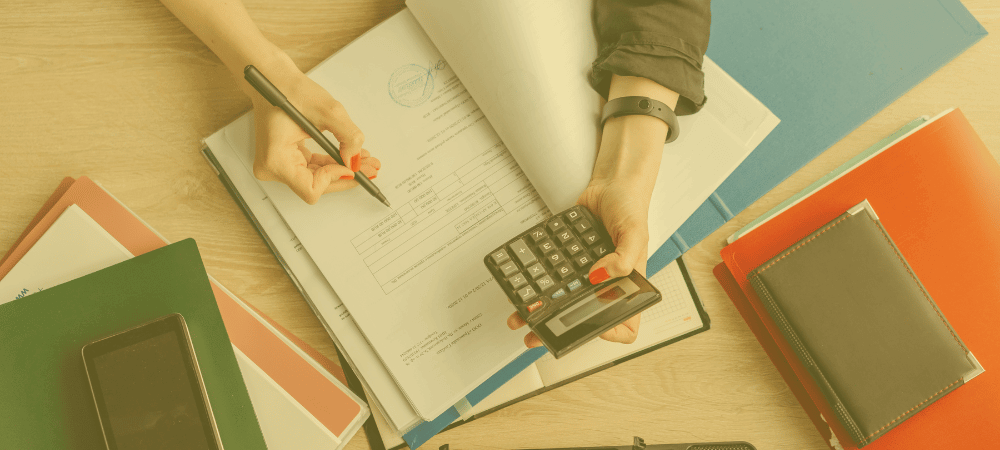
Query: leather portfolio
x,y
860,321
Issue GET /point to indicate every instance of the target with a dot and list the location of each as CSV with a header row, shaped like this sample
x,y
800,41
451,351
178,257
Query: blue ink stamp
x,y
411,85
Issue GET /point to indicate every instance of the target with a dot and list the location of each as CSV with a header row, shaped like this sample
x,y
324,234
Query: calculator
x,y
544,274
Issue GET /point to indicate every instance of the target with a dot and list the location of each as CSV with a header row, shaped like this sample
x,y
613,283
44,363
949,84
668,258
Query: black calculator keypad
x,y
549,262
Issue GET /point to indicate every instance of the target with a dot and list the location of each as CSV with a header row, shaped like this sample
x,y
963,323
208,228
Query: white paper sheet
x,y
73,234
405,273
321,297
528,70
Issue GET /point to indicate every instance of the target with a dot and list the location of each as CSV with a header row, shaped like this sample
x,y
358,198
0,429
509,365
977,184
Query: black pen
x,y
276,98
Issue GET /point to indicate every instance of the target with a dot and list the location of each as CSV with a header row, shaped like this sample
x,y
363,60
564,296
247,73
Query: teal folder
x,y
823,68
45,399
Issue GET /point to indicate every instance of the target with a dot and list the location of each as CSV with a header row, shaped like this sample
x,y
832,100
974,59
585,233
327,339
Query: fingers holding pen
x,y
334,117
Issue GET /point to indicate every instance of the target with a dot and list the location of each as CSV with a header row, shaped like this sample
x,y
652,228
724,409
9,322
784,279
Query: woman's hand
x,y
623,207
281,151
226,28
619,193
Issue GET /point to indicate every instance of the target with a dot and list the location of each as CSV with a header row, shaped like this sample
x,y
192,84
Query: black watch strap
x,y
627,106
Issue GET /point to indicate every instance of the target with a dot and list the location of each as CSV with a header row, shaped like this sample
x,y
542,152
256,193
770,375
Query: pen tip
x,y
386,202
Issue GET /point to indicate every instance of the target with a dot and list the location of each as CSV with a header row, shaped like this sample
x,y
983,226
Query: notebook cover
x,y
862,323
942,206
47,399
813,64
327,403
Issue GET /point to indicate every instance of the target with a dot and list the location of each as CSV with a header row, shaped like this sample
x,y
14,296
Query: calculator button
x,y
537,234
500,256
600,250
583,260
590,237
547,246
534,306
564,236
508,268
527,293
559,293
582,226
555,258
556,224
517,280
564,271
574,285
573,248
545,283
536,270
574,215
522,252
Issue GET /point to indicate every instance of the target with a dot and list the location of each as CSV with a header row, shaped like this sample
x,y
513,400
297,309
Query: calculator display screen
x,y
592,305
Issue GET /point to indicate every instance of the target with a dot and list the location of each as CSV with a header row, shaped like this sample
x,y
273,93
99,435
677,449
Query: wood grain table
x,y
122,92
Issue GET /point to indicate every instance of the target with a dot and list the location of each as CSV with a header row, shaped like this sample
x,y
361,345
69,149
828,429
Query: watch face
x,y
644,104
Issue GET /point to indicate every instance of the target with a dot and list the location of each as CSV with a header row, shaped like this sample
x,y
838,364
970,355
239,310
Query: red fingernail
x,y
346,177
372,177
598,276
355,163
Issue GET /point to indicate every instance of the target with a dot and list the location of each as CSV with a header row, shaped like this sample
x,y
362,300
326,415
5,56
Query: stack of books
x,y
86,267
936,189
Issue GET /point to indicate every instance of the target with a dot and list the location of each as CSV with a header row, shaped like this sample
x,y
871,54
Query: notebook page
x,y
412,275
526,64
74,239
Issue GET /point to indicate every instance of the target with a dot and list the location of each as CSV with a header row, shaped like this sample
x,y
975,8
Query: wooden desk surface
x,y
123,93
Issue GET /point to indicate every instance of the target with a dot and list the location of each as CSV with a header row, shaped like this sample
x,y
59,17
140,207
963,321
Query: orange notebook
x,y
277,355
937,191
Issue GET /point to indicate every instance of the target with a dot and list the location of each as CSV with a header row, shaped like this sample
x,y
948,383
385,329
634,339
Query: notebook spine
x,y
806,358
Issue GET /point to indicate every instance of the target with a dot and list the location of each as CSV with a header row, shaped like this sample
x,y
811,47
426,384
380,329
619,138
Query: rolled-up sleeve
x,y
662,40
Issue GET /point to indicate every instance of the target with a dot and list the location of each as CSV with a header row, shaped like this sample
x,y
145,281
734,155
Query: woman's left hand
x,y
623,206
619,192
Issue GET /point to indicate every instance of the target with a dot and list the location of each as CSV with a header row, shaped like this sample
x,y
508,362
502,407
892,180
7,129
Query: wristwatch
x,y
627,106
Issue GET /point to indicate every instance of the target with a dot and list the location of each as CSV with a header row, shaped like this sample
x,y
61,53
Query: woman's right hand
x,y
226,28
281,154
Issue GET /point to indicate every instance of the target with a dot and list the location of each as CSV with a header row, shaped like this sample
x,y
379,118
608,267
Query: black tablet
x,y
148,389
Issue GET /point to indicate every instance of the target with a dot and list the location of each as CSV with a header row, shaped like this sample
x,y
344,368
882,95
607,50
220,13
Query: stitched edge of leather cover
x,y
806,358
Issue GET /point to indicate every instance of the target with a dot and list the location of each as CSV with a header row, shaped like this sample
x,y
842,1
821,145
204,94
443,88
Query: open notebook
x,y
476,146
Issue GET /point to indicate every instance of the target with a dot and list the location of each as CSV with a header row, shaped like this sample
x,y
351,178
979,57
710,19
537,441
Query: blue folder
x,y
823,68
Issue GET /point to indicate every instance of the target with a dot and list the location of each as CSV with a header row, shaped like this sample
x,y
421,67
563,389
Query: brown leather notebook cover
x,y
863,324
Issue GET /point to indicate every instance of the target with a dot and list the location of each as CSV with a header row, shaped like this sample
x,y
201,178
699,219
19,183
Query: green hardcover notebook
x,y
45,399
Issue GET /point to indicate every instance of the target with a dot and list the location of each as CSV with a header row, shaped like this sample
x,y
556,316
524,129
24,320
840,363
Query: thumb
x,y
628,251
